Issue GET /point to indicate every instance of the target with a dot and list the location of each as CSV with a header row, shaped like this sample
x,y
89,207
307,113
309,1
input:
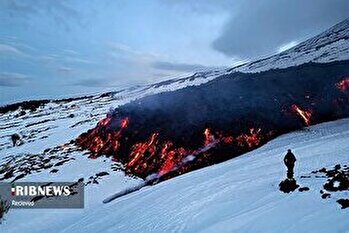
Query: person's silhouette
x,y
289,161
15,138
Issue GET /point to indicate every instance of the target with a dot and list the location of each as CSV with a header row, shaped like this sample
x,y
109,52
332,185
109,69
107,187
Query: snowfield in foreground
x,y
239,195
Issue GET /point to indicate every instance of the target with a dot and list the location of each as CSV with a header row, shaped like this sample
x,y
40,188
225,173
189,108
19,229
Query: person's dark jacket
x,y
289,159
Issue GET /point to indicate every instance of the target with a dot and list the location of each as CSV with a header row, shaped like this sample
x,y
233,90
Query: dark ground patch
x,y
336,181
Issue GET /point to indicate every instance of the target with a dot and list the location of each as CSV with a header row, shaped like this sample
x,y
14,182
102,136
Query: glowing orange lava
x,y
99,140
156,154
251,140
343,85
305,115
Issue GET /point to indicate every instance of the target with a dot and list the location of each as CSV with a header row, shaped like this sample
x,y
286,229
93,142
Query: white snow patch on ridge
x,y
331,45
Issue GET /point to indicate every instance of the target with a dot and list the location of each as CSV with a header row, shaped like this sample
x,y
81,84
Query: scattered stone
x,y
18,177
323,170
344,203
325,195
303,189
61,162
21,113
102,174
54,171
339,182
7,175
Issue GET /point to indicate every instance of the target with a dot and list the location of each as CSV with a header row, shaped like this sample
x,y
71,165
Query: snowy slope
x,y
219,190
331,45
240,195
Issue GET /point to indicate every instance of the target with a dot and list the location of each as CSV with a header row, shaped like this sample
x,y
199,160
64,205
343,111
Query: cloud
x,y
94,83
12,79
65,69
160,65
78,60
71,52
10,50
122,51
62,12
260,27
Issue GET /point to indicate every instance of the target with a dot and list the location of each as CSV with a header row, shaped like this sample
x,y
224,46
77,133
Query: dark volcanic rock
x,y
303,189
344,203
288,185
229,101
230,105
102,174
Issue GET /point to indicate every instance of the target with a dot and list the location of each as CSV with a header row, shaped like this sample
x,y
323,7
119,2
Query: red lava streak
x,y
343,85
148,144
155,155
252,139
100,140
305,115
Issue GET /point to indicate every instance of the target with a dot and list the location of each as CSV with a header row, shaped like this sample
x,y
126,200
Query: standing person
x,y
289,161
15,138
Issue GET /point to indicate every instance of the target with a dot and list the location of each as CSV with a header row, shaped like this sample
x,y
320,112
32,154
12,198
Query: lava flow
x,y
157,155
343,85
102,139
180,131
304,114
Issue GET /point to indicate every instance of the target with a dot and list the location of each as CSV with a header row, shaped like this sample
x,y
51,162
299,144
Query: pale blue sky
x,y
57,48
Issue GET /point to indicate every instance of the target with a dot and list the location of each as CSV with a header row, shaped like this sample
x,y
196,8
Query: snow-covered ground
x,y
239,195
331,45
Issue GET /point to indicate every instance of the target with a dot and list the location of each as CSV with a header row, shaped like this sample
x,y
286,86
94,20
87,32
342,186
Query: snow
x,y
239,195
331,45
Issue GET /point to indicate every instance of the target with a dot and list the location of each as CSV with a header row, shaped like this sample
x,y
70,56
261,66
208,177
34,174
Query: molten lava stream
x,y
343,85
305,115
157,155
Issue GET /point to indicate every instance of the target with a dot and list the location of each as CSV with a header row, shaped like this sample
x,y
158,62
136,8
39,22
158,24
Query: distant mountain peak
x,y
331,45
